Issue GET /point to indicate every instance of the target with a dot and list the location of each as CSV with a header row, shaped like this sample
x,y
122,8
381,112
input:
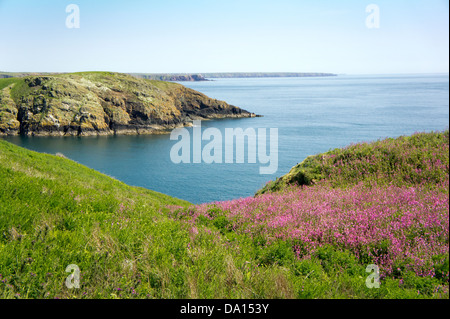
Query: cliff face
x,y
102,103
170,77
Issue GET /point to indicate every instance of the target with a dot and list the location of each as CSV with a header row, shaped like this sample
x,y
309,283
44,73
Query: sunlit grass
x,y
130,242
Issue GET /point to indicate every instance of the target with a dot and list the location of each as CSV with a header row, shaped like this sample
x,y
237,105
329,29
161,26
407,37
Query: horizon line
x,y
236,72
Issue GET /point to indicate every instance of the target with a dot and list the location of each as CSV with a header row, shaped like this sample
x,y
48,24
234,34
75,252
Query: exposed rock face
x,y
102,103
171,77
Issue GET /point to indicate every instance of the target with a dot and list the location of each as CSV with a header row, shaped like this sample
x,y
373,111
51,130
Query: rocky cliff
x,y
171,77
102,103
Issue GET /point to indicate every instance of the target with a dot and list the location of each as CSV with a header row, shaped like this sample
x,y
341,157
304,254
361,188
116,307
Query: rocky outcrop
x,y
103,103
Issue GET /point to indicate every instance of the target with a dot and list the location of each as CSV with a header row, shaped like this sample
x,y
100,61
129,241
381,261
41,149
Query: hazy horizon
x,y
337,74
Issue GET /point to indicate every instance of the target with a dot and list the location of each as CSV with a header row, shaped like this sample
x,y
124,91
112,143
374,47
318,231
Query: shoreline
x,y
121,129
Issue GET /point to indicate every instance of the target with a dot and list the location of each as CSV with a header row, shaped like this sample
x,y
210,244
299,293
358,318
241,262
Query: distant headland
x,y
221,75
102,103
191,77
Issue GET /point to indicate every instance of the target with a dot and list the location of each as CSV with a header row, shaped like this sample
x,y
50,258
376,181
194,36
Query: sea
x,y
310,115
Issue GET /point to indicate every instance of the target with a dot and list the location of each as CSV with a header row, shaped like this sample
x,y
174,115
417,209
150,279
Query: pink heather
x,y
389,223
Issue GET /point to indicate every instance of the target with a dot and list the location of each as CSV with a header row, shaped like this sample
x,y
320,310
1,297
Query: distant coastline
x,y
222,75
191,77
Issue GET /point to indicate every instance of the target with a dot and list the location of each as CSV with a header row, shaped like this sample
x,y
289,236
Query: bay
x,y
312,115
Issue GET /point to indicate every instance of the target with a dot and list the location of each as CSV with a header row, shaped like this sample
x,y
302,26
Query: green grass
x,y
8,81
129,242
406,160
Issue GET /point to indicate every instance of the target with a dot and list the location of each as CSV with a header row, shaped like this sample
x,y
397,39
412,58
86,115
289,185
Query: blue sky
x,y
225,36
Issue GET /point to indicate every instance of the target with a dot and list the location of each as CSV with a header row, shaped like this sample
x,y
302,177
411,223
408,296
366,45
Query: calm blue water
x,y
312,115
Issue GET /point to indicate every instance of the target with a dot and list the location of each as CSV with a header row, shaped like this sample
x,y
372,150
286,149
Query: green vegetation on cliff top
x,y
130,242
399,161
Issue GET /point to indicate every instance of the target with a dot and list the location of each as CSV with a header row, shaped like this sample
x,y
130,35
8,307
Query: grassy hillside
x,y
300,242
55,212
384,203
407,160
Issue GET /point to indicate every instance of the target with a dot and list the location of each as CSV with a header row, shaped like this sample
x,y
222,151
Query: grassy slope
x,y
55,212
129,244
384,203
7,81
403,160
